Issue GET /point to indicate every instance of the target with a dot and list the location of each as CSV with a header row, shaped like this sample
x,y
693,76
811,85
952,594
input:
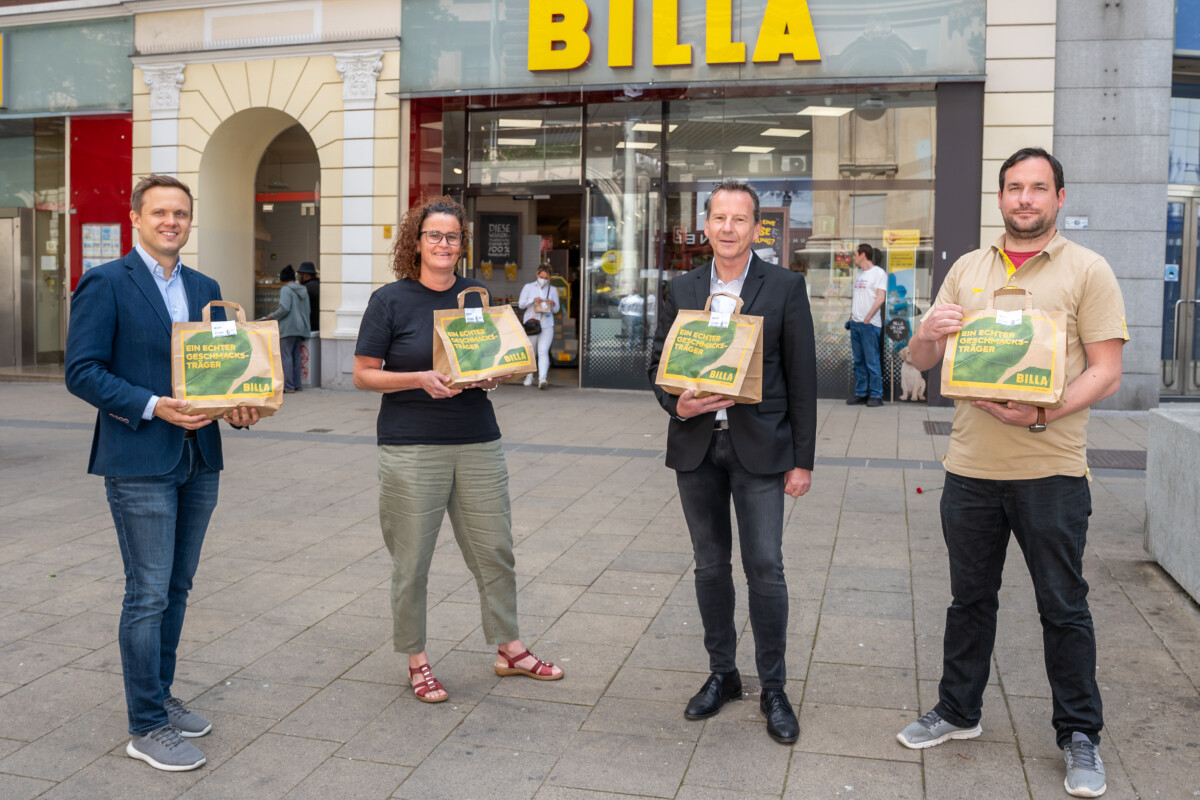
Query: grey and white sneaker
x,y
165,749
1085,770
183,719
931,730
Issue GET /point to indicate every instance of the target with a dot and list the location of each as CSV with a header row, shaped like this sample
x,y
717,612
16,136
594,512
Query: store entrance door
x,y
517,231
16,288
1181,299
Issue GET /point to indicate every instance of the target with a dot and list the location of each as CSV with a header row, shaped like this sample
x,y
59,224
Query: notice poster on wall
x,y
499,237
101,243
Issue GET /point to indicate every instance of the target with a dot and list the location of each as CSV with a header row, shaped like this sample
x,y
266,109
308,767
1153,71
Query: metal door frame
x,y
1187,307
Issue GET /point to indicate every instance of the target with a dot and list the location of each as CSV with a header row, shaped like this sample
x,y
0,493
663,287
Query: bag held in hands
x,y
713,353
219,366
1018,355
474,344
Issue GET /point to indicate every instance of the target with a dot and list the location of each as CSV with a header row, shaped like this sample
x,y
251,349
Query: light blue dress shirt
x,y
173,296
734,287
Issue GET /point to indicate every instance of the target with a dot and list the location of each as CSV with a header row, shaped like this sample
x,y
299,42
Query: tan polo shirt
x,y
1065,277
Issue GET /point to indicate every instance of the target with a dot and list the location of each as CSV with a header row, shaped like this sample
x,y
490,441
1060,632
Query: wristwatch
x,y
1040,425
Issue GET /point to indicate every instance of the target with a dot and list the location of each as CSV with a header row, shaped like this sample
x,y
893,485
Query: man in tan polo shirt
x,y
1014,468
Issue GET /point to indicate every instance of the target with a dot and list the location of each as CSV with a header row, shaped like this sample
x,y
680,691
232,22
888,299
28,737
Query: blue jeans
x,y
864,344
1049,518
160,523
289,354
758,502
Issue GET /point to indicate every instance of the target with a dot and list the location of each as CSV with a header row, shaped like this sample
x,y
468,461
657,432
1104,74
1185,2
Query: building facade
x,y
585,134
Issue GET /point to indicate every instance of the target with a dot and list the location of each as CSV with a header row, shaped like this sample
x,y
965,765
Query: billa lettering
x,y
559,39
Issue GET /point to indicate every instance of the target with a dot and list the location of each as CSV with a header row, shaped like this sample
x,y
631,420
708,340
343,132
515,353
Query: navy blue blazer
x,y
119,354
779,433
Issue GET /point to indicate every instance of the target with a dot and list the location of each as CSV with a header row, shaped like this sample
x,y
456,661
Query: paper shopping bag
x,y
1002,355
219,366
474,344
713,353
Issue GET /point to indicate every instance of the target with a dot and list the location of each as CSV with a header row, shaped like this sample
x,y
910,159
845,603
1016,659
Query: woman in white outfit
x,y
540,302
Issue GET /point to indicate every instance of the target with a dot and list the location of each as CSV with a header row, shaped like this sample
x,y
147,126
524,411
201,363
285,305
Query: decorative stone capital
x,y
165,83
359,72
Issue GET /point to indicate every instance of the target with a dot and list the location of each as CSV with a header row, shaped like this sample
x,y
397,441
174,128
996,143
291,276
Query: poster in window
x,y
771,243
499,238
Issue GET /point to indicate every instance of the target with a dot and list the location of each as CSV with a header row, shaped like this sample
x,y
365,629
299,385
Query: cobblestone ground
x,y
287,644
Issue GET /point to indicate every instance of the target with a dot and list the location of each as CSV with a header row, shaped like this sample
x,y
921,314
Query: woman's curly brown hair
x,y
406,253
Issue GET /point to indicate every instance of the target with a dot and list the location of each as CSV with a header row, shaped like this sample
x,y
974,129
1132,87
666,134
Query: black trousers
x,y
758,501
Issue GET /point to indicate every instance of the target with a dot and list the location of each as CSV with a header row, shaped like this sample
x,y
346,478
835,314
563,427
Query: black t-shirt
x,y
398,327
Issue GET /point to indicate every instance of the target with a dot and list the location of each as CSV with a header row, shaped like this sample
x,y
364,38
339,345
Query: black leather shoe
x,y
720,688
857,400
781,719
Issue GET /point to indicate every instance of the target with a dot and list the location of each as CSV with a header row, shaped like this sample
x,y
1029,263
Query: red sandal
x,y
542,670
427,685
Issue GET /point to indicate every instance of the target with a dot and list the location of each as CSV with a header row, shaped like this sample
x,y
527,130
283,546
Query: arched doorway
x,y
286,203
226,207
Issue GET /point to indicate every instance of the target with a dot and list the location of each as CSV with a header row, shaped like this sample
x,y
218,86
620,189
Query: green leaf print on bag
x,y
476,346
211,366
985,351
696,347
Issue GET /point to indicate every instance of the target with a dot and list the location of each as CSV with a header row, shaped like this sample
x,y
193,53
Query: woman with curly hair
x,y
439,449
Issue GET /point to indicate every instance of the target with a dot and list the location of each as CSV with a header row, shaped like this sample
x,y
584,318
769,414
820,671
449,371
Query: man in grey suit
x,y
753,454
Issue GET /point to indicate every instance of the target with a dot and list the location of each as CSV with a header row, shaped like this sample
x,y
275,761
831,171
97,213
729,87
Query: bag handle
x,y
734,297
206,314
462,296
1011,291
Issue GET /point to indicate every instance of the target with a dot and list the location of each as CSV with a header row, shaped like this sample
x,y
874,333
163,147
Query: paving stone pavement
x,y
287,643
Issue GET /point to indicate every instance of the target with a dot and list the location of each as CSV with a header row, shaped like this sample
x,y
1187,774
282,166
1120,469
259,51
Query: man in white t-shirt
x,y
866,323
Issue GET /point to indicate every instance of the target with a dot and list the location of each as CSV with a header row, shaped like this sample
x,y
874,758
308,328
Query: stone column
x,y
359,72
165,82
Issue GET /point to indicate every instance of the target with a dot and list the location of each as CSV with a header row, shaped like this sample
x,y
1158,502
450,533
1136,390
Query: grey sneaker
x,y
1085,770
165,749
932,730
183,719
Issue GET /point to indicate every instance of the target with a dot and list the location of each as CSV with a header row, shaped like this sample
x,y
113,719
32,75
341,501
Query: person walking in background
x,y
540,302
293,317
866,325
1022,470
439,449
161,467
307,275
754,453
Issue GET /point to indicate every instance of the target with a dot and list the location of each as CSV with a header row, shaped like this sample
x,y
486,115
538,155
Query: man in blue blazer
x,y
160,466
752,453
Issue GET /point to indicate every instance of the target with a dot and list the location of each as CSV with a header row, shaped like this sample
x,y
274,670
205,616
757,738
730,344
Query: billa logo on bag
x,y
214,367
220,366
999,355
474,344
697,349
713,353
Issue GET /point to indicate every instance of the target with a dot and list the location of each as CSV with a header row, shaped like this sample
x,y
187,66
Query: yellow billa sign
x,y
558,34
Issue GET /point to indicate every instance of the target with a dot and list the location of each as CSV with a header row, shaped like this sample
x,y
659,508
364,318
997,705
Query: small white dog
x,y
912,383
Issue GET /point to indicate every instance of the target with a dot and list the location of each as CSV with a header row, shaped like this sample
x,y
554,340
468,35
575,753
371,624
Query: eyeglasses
x,y
452,239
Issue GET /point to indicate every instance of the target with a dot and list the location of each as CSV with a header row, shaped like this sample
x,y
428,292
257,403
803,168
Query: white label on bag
x,y
226,328
1009,318
474,316
718,319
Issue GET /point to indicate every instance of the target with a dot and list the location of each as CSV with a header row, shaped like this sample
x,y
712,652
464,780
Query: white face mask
x,y
542,282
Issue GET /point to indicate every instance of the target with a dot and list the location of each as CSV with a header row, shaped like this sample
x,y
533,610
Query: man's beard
x,y
1034,229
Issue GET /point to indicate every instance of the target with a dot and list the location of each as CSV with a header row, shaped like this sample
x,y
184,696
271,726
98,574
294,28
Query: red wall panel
x,y
101,179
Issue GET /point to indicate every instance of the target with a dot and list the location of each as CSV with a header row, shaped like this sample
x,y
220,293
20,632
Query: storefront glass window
x,y
525,146
75,67
625,148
